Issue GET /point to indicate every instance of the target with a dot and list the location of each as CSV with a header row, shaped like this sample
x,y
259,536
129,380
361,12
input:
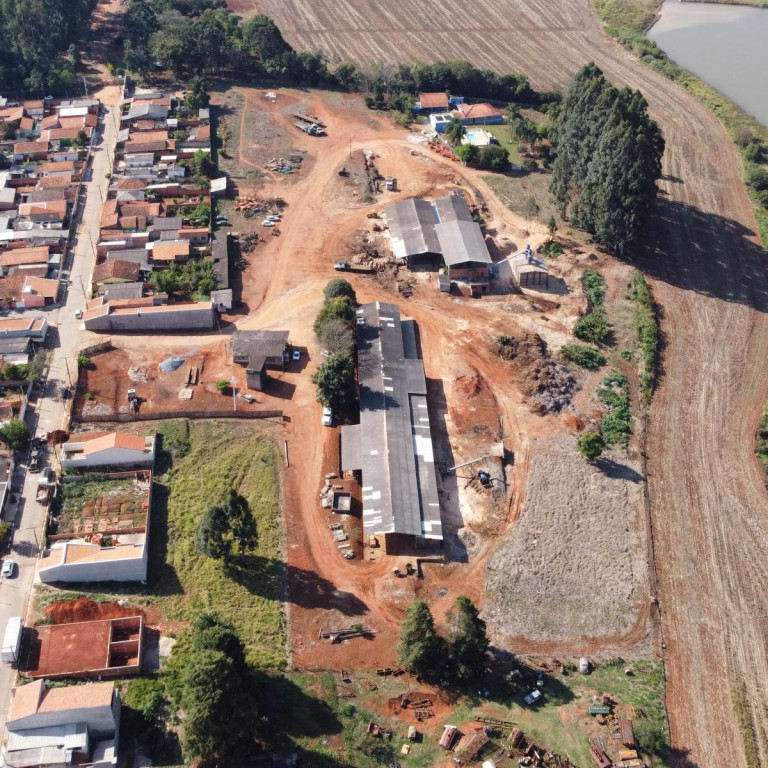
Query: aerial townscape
x,y
383,384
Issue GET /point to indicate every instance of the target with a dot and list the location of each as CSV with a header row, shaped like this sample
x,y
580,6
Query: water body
x,y
726,46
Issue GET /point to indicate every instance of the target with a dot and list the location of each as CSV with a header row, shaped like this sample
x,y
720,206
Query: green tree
x,y
339,287
15,434
346,75
419,649
455,132
200,165
469,641
226,528
199,95
264,42
467,153
493,157
608,159
591,446
591,327
139,23
335,382
341,308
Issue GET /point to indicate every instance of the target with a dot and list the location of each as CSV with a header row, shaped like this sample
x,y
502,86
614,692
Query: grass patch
x,y
586,357
647,328
627,21
746,725
210,458
515,189
615,425
762,442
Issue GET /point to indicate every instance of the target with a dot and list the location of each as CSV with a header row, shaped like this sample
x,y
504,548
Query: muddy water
x,y
725,45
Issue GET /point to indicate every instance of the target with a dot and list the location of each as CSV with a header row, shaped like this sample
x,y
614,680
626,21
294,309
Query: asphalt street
x,y
46,410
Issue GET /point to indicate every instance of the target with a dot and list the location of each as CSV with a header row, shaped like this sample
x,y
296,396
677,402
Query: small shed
x,y
528,271
443,283
449,736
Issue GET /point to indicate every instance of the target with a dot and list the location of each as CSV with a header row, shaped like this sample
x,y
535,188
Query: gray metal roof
x,y
453,208
412,228
122,290
462,242
254,348
164,223
220,255
393,444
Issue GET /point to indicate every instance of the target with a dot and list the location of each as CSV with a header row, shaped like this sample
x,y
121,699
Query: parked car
x,y
532,697
327,417
78,314
267,223
9,568
275,217
296,355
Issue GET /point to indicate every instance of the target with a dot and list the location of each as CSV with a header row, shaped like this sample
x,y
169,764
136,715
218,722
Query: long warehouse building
x,y
392,445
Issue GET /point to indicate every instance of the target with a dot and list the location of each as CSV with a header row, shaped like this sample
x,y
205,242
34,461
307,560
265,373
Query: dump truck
x,y
12,640
46,486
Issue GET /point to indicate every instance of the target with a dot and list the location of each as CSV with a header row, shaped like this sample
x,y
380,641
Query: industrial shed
x,y
391,447
412,230
427,233
259,350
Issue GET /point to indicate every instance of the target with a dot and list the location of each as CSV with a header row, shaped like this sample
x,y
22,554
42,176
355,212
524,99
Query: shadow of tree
x,y
266,577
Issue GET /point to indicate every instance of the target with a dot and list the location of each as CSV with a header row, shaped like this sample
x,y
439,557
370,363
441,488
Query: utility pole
x,y
85,86
234,392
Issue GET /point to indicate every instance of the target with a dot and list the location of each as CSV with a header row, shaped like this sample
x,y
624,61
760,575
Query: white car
x,y
78,314
274,217
8,568
296,355
327,417
267,223
532,697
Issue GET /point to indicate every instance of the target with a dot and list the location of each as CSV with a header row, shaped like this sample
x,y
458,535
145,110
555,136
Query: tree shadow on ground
x,y
298,715
703,252
616,471
269,578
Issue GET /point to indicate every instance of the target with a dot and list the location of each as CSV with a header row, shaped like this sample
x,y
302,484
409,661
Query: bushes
x,y
613,392
586,357
341,308
552,249
590,446
647,331
594,287
591,327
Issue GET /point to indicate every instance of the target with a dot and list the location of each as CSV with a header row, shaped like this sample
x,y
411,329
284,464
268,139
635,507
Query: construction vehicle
x,y
390,183
312,129
46,486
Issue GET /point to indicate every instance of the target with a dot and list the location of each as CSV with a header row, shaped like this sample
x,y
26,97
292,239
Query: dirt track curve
x,y
709,504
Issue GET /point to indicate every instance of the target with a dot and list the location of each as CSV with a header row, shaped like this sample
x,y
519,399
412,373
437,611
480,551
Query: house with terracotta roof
x,y
30,150
116,271
165,252
34,328
74,725
433,102
110,449
478,114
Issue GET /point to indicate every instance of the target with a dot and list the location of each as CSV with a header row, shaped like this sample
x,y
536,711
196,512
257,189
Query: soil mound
x,y
85,609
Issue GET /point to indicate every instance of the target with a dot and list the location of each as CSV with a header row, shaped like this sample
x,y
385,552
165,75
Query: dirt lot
x,y
574,565
708,274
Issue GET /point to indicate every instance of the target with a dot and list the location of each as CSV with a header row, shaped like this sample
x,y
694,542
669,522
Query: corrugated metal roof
x,y
461,242
70,736
393,443
412,228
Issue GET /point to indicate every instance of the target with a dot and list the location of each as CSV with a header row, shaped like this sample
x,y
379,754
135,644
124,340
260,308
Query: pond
x,y
724,45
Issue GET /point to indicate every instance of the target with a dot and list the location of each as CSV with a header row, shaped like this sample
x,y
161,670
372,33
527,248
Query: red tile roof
x,y
433,100
121,270
475,111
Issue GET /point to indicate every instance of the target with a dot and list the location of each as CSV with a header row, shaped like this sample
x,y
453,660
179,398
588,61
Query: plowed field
x,y
708,500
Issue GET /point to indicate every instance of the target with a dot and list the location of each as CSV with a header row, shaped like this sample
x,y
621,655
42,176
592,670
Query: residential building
x,y
259,350
75,725
110,449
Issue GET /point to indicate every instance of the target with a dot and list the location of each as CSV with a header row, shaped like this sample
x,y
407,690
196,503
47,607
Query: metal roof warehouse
x,y
392,445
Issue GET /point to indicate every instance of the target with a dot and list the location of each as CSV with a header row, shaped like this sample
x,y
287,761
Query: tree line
x,y
38,53
608,159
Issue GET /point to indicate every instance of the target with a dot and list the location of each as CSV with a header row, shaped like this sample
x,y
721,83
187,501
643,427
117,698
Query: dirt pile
x,y
85,609
548,384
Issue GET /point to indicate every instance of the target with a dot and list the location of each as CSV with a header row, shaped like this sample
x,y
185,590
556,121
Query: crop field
x,y
705,266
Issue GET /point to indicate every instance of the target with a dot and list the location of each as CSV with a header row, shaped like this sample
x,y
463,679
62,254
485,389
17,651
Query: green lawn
x,y
501,134
202,461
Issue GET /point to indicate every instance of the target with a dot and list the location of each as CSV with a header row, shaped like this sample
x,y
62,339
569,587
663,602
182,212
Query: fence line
x,y
127,418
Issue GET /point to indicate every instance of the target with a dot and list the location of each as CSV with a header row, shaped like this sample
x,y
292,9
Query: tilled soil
x,y
85,609
707,495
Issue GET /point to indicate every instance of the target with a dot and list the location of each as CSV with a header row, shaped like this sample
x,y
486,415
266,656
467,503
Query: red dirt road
x,y
708,501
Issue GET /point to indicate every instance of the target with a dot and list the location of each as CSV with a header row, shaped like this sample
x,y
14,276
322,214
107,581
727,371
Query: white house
x,y
108,450
75,725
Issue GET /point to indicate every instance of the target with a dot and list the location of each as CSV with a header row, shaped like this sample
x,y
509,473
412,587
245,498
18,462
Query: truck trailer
x,y
12,640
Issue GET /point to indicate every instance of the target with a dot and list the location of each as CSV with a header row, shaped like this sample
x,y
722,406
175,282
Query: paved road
x,y
47,409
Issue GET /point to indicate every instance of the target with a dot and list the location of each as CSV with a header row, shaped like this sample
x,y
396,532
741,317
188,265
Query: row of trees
x,y
38,38
335,378
459,652
608,159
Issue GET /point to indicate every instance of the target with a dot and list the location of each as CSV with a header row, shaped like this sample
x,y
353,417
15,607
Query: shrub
x,y
594,287
757,178
337,288
615,424
83,361
590,446
591,327
222,385
647,329
552,249
586,357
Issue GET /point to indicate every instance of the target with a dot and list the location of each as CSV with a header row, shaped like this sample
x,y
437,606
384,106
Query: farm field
x,y
706,269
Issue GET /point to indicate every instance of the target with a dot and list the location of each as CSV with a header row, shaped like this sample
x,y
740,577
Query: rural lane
x,y
709,504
